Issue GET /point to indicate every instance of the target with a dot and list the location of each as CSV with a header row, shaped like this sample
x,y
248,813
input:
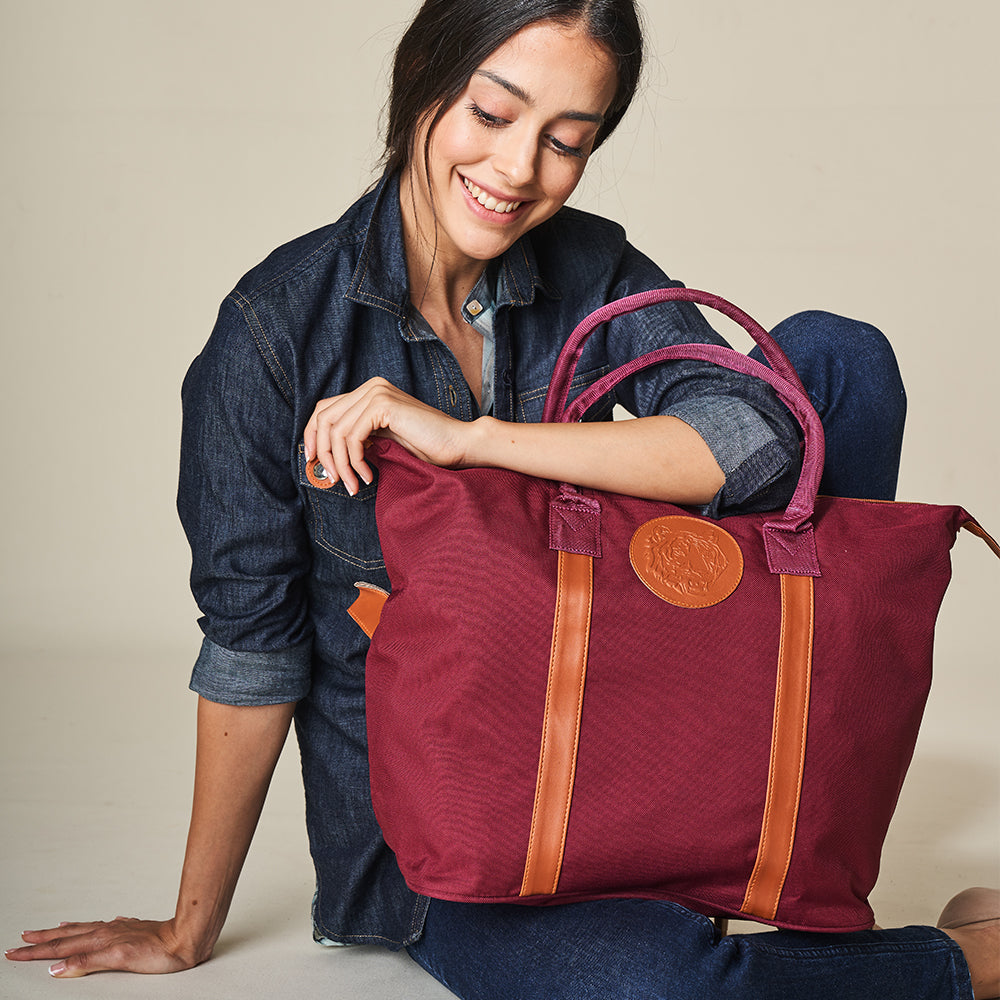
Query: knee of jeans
x,y
841,353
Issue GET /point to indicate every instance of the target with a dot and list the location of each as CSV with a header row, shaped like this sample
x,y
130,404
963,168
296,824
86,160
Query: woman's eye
x,y
495,121
485,118
562,149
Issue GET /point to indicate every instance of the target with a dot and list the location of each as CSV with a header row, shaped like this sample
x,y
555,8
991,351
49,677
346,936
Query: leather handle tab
x,y
788,749
560,725
367,607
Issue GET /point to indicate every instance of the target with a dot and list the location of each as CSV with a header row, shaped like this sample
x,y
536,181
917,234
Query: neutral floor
x,y
93,825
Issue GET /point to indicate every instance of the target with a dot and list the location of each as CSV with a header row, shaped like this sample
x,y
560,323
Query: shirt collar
x,y
380,275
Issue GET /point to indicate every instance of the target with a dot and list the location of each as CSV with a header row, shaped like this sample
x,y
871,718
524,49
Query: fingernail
x,y
58,969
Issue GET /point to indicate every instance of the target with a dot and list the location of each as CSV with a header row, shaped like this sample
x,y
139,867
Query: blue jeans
x,y
630,949
850,373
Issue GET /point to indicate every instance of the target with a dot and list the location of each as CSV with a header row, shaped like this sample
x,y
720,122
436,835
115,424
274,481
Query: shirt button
x,y
317,475
474,308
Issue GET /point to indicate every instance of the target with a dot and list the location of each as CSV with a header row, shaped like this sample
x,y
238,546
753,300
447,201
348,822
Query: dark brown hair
x,y
449,39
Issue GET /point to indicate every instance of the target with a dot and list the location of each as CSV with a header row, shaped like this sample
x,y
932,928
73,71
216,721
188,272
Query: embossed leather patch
x,y
686,561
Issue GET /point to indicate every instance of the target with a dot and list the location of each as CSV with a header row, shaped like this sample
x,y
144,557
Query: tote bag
x,y
574,694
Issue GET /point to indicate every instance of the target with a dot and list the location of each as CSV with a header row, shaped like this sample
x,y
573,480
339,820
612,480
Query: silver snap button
x,y
318,476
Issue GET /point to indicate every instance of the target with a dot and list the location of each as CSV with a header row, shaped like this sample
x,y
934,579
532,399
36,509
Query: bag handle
x,y
789,539
569,356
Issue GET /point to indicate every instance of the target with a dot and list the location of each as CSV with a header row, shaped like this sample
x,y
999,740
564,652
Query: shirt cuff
x,y
230,677
748,451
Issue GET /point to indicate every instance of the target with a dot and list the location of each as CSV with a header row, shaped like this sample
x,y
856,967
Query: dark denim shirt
x,y
275,559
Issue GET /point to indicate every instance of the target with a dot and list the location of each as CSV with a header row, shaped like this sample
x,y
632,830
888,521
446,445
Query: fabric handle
x,y
569,356
789,539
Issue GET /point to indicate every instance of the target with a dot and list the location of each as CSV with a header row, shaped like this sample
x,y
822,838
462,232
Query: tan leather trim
x,y
318,476
788,748
686,561
367,607
560,725
976,528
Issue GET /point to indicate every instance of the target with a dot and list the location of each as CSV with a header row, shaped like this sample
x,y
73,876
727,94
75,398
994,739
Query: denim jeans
x,y
630,949
850,373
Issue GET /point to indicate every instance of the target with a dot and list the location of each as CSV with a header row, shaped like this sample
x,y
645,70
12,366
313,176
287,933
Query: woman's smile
x,y
491,205
506,155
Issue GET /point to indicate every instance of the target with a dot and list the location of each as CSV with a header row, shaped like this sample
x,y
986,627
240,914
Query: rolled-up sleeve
x,y
241,511
759,463
247,678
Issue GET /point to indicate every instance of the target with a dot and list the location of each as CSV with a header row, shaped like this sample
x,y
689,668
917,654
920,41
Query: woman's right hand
x,y
125,944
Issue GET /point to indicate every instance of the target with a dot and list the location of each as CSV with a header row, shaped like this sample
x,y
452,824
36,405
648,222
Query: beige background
x,y
786,155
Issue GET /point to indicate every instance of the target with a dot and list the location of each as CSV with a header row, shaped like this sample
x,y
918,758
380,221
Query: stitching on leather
x,y
768,905
768,804
578,713
528,863
803,728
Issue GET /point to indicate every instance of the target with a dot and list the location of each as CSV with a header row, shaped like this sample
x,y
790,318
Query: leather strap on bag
x,y
788,749
561,724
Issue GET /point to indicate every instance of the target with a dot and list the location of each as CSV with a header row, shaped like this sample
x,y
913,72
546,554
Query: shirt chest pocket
x,y
341,525
530,404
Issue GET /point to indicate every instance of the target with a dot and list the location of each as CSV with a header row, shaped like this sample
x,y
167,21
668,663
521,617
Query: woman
x,y
432,312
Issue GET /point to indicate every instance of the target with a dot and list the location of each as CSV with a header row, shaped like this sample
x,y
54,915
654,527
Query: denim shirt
x,y
275,560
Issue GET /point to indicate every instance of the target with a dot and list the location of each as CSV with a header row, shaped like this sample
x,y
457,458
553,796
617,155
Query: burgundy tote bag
x,y
574,694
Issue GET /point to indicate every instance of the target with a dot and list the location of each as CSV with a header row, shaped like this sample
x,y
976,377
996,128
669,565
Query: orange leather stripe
x,y
980,532
367,607
561,724
788,748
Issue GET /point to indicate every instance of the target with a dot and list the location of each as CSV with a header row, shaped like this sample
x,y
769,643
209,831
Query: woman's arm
x,y
659,457
238,748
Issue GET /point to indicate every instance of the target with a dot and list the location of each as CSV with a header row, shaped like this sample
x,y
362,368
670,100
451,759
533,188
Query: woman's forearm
x,y
238,747
658,457
237,751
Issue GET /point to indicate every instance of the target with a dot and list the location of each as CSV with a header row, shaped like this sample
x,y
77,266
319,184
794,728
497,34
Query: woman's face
x,y
509,152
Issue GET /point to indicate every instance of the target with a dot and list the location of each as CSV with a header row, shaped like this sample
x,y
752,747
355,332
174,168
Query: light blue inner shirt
x,y
477,311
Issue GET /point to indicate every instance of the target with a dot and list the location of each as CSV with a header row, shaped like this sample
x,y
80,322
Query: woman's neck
x,y
440,279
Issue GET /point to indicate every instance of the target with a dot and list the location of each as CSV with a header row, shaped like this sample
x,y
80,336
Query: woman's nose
x,y
515,157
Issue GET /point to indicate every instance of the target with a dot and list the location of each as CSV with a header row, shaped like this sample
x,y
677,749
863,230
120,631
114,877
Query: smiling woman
x,y
432,313
508,153
502,159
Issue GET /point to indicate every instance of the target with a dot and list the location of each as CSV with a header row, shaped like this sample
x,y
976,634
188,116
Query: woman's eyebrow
x,y
522,95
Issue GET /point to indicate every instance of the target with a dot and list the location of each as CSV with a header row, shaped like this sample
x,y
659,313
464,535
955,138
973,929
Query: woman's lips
x,y
489,206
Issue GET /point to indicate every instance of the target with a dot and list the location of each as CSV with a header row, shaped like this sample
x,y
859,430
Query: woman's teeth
x,y
488,201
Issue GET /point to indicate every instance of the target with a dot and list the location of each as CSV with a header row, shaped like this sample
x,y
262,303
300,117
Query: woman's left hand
x,y
341,425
